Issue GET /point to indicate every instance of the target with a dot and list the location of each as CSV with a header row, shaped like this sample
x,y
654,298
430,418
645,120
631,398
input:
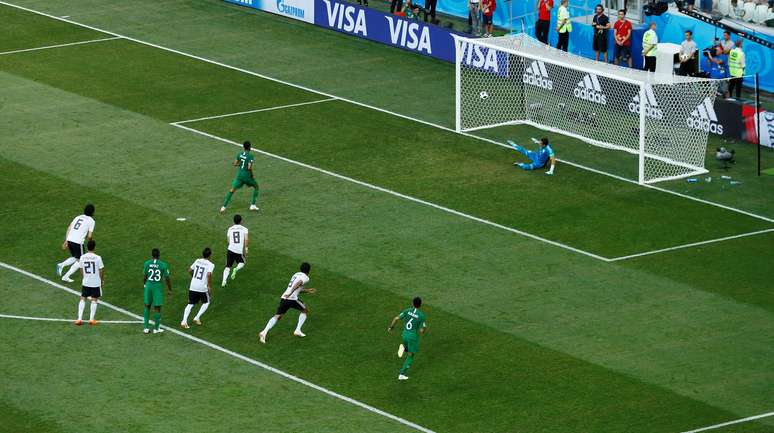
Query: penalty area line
x,y
259,110
50,319
48,47
398,194
690,245
725,424
239,356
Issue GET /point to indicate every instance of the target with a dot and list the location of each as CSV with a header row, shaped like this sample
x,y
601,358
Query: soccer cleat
x,y
222,210
197,321
184,325
401,349
253,207
92,322
402,377
262,337
59,269
299,334
146,331
158,331
78,322
67,279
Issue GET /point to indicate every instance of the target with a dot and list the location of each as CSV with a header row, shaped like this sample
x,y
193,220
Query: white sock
x,y
301,320
226,271
187,311
202,309
68,262
240,266
270,324
81,306
73,268
93,311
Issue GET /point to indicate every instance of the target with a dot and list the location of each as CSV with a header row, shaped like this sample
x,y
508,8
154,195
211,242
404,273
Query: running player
x,y
154,271
200,288
93,274
80,229
537,159
238,241
414,325
243,177
289,299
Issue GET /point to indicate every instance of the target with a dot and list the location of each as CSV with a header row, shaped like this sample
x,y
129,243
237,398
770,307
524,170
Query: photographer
x,y
718,61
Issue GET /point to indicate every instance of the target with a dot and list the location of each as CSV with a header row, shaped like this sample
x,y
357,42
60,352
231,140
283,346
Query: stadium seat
x,y
761,13
724,7
749,10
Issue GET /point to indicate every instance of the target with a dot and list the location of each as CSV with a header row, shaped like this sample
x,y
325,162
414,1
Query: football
x,y
483,95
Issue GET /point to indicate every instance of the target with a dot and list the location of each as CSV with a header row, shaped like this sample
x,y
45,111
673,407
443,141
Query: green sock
x,y
255,195
157,319
145,317
407,363
228,198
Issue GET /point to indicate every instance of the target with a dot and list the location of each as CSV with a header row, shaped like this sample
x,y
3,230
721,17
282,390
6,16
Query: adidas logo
x,y
536,75
590,90
651,106
704,118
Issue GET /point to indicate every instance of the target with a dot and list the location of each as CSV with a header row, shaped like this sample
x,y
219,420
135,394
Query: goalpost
x,y
661,121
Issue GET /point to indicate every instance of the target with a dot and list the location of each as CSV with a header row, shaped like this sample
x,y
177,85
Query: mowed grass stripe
x,y
492,380
144,382
587,211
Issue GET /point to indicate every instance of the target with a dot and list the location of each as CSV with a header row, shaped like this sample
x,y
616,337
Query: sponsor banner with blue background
x,y
302,10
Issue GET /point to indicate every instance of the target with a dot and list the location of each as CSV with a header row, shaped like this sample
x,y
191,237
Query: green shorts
x,y
241,181
411,344
153,296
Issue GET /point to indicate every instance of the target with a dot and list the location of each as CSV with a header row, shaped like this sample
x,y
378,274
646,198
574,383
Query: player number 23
x,y
154,275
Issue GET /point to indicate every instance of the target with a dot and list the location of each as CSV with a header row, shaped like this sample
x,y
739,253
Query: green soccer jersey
x,y
155,272
413,321
245,160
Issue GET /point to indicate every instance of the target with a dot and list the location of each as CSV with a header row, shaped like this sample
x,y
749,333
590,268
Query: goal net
x,y
659,124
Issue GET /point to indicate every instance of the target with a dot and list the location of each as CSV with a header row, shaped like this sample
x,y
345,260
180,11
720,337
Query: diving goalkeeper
x,y
537,159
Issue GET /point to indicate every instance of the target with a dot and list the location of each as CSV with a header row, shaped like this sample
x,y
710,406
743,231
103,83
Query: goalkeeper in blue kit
x,y
539,159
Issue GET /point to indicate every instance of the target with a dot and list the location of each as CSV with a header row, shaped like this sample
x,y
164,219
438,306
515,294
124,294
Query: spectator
x,y
563,26
736,66
396,6
474,9
623,39
727,43
649,48
487,10
544,20
601,24
430,10
719,67
689,4
363,2
736,10
688,55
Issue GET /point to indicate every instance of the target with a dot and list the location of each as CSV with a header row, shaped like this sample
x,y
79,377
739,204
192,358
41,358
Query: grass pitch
x,y
524,335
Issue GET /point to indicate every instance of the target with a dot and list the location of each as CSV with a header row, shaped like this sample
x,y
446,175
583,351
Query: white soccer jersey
x,y
293,294
200,268
236,238
81,226
90,267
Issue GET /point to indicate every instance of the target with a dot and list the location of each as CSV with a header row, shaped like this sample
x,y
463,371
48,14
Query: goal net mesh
x,y
518,80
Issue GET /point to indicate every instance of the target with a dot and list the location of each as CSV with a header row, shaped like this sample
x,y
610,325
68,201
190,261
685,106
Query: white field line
x,y
49,319
400,195
233,354
48,47
259,110
693,244
738,421
361,104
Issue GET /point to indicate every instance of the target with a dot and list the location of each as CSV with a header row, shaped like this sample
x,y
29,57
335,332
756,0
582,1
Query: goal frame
x,y
641,84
